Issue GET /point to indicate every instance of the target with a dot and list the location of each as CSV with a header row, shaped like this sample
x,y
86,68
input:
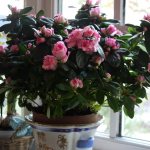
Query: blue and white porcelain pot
x,y
63,137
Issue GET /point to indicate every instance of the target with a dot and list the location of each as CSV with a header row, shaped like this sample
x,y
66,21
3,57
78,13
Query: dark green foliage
x,y
114,73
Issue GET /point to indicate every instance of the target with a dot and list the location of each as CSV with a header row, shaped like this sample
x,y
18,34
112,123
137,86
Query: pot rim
x,y
29,119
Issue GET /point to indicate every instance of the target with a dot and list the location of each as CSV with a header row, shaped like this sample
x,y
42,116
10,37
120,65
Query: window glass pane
x,y
107,7
4,5
105,126
139,126
70,8
135,10
4,10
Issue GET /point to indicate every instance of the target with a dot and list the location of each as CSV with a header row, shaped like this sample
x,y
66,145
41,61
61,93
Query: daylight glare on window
x,y
70,8
139,126
135,10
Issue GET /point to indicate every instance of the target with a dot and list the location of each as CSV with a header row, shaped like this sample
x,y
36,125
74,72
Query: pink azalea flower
x,y
97,60
42,17
14,10
111,29
40,40
76,83
64,59
74,37
148,67
141,79
133,98
2,49
46,31
97,2
88,32
59,50
28,52
14,48
108,75
147,17
111,42
89,2
49,63
95,12
89,46
30,45
60,19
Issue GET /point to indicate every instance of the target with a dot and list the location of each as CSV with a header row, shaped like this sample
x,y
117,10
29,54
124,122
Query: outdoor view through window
x,y
4,11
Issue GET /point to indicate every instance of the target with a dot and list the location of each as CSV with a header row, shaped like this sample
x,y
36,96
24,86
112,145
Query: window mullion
x,y
119,10
114,124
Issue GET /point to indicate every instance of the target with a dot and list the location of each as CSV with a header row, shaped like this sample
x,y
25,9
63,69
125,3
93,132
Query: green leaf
x,y
142,47
81,59
113,103
9,6
124,37
72,103
100,51
100,96
140,92
40,13
63,87
122,51
6,28
111,21
25,10
145,23
22,48
114,59
68,95
27,20
129,113
4,89
81,98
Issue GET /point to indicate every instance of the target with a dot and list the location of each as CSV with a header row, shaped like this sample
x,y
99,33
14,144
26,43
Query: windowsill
x,y
104,142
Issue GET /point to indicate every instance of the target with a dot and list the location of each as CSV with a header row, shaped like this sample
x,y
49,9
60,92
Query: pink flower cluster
x,y
14,10
86,39
97,60
14,48
91,2
112,43
76,83
111,30
2,49
147,17
59,53
95,12
60,19
49,63
45,33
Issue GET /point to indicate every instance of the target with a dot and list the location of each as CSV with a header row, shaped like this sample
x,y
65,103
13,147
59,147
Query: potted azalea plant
x,y
61,69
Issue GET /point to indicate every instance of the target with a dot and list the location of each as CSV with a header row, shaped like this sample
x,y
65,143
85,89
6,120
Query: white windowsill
x,y
104,142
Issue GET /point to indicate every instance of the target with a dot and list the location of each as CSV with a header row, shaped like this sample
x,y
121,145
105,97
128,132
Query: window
x,y
136,8
4,11
105,125
73,6
117,131
139,126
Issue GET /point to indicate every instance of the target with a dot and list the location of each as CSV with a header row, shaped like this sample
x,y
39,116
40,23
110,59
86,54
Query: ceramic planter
x,y
63,137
